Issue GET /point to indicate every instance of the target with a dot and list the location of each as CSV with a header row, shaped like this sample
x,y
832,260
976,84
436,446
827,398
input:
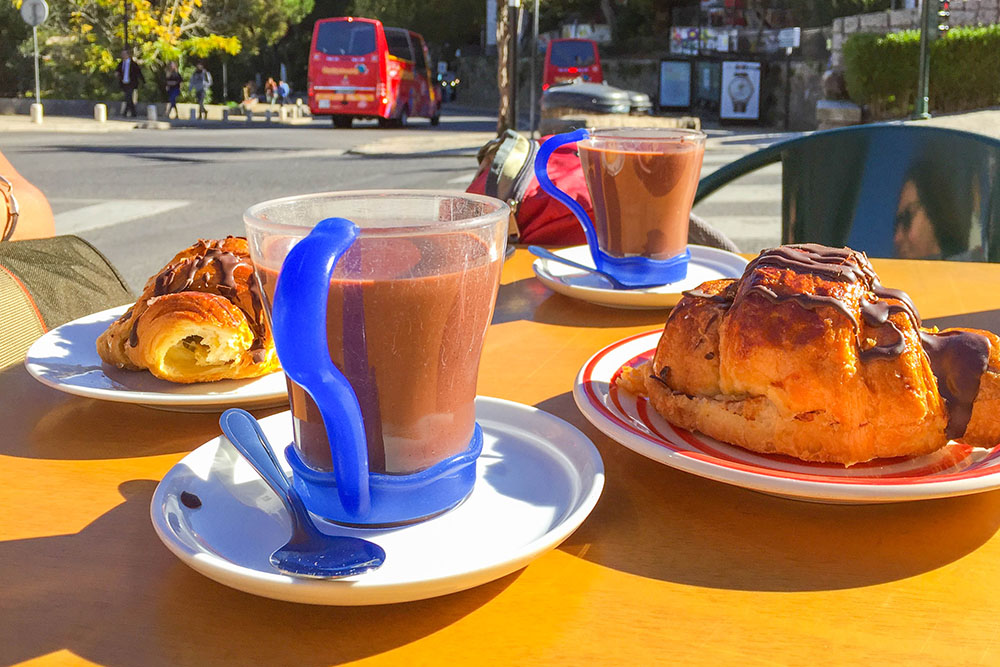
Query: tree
x,y
81,40
15,39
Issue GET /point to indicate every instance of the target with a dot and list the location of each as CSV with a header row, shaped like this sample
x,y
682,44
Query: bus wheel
x,y
343,122
385,122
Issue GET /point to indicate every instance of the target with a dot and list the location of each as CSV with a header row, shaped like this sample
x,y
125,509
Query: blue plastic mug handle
x,y
299,322
542,174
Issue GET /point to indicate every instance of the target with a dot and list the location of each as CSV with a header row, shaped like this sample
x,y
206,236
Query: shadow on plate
x,y
665,524
116,565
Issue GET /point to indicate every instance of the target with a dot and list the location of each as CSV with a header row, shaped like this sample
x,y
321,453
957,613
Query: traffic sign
x,y
34,12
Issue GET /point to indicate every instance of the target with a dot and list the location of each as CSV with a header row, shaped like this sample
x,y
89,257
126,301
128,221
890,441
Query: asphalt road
x,y
141,196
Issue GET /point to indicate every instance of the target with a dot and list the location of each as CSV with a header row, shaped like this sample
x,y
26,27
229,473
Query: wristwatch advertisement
x,y
740,90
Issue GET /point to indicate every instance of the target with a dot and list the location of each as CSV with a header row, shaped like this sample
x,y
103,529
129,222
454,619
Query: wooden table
x,y
670,568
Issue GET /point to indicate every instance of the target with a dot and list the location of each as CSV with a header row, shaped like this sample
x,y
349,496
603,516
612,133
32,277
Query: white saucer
x,y
66,359
537,480
706,264
954,470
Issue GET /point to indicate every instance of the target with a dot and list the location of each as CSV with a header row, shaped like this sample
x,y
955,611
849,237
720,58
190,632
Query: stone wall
x,y
963,13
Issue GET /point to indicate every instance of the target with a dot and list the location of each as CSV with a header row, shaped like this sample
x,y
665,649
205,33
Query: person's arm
x,y
35,219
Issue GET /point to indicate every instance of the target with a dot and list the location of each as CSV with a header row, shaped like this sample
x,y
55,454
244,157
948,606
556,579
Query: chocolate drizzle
x,y
958,359
181,277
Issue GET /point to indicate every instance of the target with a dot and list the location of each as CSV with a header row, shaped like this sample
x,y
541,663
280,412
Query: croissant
x,y
199,319
809,356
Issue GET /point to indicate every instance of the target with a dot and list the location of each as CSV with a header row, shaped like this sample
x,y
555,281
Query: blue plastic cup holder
x,y
351,493
633,272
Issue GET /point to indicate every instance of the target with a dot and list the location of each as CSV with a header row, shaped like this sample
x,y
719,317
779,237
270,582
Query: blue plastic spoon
x,y
309,553
545,254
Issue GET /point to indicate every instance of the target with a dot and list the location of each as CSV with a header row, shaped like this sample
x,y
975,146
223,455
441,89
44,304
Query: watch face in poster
x,y
740,91
675,83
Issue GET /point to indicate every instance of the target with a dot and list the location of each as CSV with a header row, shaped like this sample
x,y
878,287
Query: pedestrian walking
x,y
201,82
174,82
270,90
284,90
129,79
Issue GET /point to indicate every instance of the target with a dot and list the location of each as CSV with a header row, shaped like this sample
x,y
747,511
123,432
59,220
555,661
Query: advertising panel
x,y
740,91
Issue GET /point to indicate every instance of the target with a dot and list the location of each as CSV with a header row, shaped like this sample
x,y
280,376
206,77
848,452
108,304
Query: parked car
x,y
360,69
571,59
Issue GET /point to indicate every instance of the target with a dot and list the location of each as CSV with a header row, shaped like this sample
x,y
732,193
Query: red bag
x,y
507,172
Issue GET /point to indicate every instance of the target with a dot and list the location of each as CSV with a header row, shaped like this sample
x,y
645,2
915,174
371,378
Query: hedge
x,y
881,70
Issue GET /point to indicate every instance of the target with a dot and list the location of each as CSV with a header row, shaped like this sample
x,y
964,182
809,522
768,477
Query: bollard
x,y
36,113
283,114
192,115
267,116
249,116
225,114
101,113
151,113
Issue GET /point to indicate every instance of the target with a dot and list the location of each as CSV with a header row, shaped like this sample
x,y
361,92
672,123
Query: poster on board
x,y
740,91
675,84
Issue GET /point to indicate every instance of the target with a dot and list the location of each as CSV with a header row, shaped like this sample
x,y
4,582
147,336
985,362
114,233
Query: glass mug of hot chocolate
x,y
642,184
379,303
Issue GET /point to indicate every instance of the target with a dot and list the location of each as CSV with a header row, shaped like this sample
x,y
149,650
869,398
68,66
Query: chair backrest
x,y
891,190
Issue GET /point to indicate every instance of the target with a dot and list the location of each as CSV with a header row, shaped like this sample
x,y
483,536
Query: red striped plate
x,y
954,470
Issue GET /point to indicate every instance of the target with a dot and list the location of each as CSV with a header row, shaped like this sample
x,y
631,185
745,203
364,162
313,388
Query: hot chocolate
x,y
642,199
409,343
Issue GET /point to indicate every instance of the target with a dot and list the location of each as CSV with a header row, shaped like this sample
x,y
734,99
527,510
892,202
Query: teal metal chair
x,y
890,190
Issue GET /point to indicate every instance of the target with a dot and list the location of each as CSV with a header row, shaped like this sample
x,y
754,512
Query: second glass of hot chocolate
x,y
642,184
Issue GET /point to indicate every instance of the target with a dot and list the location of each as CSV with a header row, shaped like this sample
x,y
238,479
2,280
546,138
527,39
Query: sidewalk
x,y
442,142
22,123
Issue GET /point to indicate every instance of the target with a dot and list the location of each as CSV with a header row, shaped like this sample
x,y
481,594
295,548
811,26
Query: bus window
x,y
399,43
572,54
344,38
418,50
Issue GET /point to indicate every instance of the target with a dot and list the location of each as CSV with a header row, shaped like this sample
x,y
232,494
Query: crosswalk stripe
x,y
112,212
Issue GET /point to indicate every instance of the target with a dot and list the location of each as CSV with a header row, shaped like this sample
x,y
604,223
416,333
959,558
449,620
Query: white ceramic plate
x,y
706,264
537,480
66,359
952,471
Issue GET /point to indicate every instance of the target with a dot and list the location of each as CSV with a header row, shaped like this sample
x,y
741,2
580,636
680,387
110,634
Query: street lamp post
x,y
921,106
933,23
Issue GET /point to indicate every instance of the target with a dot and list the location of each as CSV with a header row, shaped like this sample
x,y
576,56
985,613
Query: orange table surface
x,y
669,568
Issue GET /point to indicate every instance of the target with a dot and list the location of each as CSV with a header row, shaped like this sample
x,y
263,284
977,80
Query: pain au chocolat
x,y
808,355
200,319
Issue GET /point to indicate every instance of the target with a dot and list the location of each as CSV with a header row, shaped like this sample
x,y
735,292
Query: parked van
x,y
569,59
360,69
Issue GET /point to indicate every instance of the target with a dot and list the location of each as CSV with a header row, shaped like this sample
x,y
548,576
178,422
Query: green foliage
x,y
16,69
452,22
81,41
814,13
881,70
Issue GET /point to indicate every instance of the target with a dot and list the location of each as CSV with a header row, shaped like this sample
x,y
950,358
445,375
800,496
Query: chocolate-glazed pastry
x,y
199,319
808,355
